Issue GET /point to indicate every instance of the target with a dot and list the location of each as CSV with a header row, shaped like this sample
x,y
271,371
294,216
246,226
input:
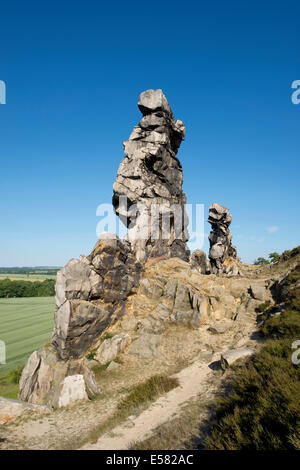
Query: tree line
x,y
9,288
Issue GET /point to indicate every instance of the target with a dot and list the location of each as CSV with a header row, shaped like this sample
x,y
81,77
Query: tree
x,y
261,261
274,257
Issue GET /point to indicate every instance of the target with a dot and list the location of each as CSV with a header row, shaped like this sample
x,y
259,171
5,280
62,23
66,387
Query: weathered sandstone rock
x,y
43,377
198,261
73,389
90,293
10,409
231,356
147,194
221,252
258,292
111,348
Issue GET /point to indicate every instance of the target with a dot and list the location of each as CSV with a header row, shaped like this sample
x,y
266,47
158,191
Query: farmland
x,y
27,277
25,325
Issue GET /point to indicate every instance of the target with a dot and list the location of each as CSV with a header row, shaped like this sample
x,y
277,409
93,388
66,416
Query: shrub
x,y
261,261
263,410
262,307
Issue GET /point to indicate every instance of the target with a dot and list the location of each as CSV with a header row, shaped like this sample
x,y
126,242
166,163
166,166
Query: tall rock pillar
x,y
147,193
222,252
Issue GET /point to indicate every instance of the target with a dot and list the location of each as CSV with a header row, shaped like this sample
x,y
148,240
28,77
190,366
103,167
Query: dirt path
x,y
194,380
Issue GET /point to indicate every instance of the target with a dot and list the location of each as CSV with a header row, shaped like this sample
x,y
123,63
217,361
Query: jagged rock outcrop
x,y
222,253
43,379
90,295
147,193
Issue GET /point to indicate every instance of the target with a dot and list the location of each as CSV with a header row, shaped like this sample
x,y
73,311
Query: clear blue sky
x,y
73,72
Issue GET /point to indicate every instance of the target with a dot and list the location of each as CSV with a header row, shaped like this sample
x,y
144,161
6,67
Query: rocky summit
x,y
147,193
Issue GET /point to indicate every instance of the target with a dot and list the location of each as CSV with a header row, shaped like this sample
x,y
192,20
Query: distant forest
x,y
45,270
9,288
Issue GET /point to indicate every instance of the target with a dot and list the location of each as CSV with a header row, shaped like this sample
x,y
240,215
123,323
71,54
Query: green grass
x,y
9,383
25,325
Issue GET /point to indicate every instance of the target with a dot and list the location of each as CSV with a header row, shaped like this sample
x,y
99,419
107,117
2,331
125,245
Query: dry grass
x,y
186,431
138,398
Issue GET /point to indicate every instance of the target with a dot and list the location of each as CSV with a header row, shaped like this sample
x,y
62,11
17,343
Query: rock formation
x,y
91,292
110,288
199,262
90,295
221,252
147,194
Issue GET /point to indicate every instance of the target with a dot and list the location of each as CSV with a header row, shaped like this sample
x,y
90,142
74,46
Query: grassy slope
x,y
25,325
263,410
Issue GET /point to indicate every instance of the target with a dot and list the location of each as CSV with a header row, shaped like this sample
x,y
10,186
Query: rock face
x,y
221,248
90,294
111,348
147,193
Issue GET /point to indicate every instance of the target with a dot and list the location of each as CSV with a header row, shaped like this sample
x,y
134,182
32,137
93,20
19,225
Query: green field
x,y
27,277
26,324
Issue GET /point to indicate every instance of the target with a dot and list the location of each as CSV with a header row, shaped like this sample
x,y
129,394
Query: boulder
x,y
198,261
258,292
111,348
43,377
151,288
73,389
129,323
230,357
153,100
221,327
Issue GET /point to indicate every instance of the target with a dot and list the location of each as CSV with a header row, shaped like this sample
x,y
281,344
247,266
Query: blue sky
x,y
73,72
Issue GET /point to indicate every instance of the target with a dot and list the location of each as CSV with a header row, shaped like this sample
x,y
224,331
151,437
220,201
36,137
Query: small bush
x,y
91,354
262,307
146,392
107,335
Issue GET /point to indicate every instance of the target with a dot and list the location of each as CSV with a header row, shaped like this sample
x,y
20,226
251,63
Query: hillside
x,y
191,354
